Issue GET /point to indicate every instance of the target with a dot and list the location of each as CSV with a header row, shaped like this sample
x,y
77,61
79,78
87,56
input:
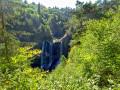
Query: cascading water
x,y
60,49
51,54
42,54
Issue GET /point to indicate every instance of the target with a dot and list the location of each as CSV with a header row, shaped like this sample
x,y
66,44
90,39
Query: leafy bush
x,y
98,54
17,74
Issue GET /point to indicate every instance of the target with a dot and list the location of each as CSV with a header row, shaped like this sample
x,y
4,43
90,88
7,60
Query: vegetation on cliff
x,y
94,58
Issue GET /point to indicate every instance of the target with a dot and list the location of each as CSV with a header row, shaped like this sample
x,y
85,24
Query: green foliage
x,y
17,74
39,8
25,2
8,40
99,51
93,64
94,59
29,18
63,60
94,10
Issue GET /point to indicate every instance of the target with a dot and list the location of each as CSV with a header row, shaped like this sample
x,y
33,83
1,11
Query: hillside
x,y
60,48
33,23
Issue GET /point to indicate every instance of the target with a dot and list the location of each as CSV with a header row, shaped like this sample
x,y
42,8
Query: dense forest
x,y
90,36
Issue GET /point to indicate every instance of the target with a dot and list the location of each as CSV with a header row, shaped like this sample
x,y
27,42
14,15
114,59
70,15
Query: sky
x,y
58,3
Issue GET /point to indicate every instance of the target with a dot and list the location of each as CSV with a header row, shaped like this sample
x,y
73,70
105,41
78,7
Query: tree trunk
x,y
4,36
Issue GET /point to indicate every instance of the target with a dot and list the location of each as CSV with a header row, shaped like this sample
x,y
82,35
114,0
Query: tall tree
x,y
7,38
3,33
79,4
39,8
25,2
33,3
39,12
104,5
3,36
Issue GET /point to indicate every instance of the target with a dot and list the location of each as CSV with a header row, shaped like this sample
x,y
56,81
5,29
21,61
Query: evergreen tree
x,y
25,2
3,33
33,3
39,8
7,38
79,4
104,5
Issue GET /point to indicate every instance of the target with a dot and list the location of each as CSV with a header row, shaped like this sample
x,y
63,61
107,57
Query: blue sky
x,y
58,3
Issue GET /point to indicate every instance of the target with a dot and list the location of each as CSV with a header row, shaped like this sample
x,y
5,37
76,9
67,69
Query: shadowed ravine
x,y
51,54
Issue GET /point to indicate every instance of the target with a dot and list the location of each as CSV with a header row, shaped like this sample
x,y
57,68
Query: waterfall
x,y
51,54
60,49
42,55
